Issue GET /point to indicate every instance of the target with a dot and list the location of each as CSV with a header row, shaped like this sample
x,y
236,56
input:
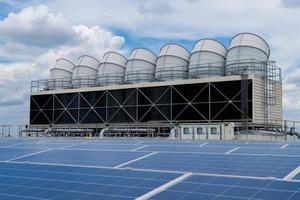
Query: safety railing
x,y
9,130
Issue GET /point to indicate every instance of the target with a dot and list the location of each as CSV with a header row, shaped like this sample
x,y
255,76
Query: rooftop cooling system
x,y
140,66
111,71
248,53
172,63
85,72
207,59
61,74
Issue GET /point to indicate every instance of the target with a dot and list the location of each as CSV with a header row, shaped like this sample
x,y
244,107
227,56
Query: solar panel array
x,y
49,168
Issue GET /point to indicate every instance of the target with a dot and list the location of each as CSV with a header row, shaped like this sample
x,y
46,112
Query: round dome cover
x,y
211,46
142,54
250,40
114,57
175,50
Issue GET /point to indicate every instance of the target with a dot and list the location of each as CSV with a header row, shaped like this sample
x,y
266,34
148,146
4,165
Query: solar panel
x,y
297,177
46,181
186,148
83,157
263,144
271,151
148,169
10,153
251,165
109,146
42,145
212,187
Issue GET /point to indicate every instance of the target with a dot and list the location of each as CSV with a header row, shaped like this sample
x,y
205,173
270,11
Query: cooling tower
x,y
140,66
85,72
172,63
248,53
61,74
207,59
111,71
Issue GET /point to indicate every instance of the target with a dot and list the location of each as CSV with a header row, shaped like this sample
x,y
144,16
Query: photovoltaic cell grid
x,y
270,151
52,182
185,148
244,165
127,169
210,187
297,177
84,157
10,153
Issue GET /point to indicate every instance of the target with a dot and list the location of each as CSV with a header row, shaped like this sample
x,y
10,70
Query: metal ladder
x,y
270,89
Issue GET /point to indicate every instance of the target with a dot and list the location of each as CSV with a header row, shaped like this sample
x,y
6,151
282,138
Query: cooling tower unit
x,y
172,63
112,70
85,72
61,74
248,53
140,66
207,59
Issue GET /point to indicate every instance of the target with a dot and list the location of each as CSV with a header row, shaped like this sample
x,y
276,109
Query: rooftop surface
x,y
48,168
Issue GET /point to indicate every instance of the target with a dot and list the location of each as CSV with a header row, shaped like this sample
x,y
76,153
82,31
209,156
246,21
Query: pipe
x,y
102,132
131,130
33,130
72,130
297,134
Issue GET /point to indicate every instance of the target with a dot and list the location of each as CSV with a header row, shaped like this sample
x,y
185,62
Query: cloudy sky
x,y
34,33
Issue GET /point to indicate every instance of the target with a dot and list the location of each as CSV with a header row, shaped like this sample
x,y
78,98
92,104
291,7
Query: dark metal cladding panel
x,y
202,102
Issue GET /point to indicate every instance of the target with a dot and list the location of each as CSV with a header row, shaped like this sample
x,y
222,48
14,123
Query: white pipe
x,y
102,132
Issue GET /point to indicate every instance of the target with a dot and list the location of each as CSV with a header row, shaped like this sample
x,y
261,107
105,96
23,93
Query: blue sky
x,y
154,44
34,33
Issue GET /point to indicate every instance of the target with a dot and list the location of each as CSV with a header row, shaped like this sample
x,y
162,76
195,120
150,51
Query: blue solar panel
x,y
49,168
293,145
250,165
271,151
173,142
183,148
10,153
245,144
297,177
103,146
44,181
84,157
42,145
212,187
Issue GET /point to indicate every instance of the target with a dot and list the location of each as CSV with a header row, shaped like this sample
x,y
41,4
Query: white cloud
x,y
32,40
14,88
37,35
94,41
36,27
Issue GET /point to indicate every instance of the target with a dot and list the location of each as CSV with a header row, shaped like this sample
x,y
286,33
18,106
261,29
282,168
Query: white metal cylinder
x,y
61,74
111,71
248,53
172,63
140,66
85,72
207,59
